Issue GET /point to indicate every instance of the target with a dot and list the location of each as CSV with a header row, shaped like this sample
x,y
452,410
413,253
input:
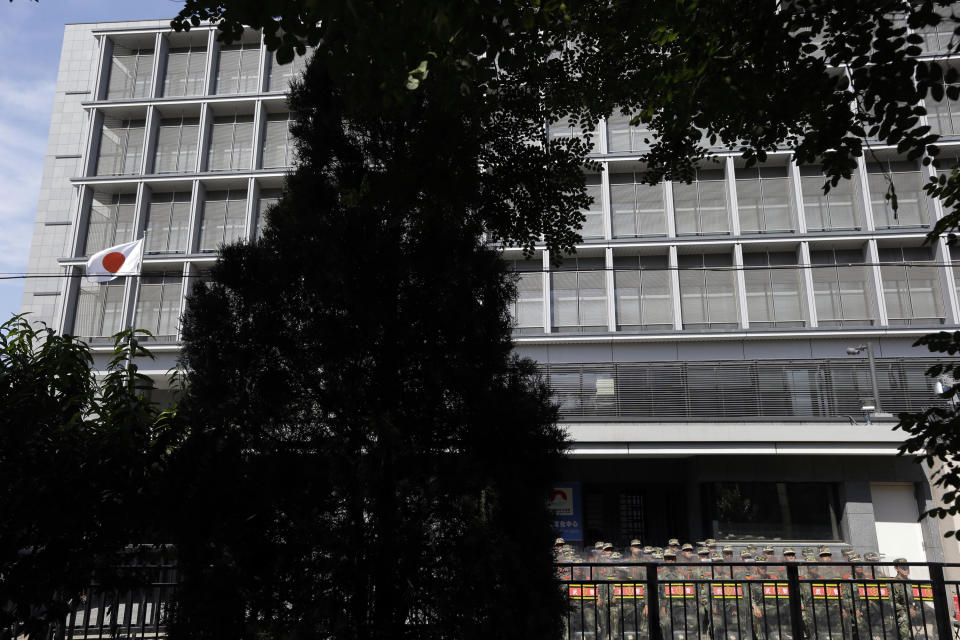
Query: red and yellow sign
x,y
727,590
822,591
628,591
922,592
679,590
873,591
582,591
775,591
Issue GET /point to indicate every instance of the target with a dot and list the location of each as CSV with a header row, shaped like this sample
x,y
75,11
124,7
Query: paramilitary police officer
x,y
678,601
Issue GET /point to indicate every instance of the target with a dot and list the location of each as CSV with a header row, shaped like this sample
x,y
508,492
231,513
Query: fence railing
x,y
760,601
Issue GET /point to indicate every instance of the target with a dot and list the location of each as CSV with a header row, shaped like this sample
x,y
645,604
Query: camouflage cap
x,y
687,547
608,546
728,549
636,543
807,551
871,556
768,549
824,551
669,553
648,549
746,554
854,557
559,542
717,557
599,544
788,551
710,542
809,558
658,550
658,556
673,542
616,555
747,559
703,551
900,561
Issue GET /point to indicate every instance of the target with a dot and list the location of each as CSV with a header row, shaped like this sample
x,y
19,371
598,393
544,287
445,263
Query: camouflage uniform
x,y
678,602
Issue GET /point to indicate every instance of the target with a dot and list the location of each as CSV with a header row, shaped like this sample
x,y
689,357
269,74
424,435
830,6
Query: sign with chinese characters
x,y
564,504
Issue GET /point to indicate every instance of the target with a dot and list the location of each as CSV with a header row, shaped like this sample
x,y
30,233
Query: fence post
x,y
940,606
793,584
653,602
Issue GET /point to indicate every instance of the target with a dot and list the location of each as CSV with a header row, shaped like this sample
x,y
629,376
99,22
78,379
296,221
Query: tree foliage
x,y
77,455
365,458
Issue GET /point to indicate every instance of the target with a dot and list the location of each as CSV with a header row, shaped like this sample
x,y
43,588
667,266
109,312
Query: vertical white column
x,y
668,209
92,146
203,143
948,284
796,186
868,221
159,65
264,62
259,126
547,312
150,129
807,274
601,137
741,285
675,288
193,224
880,304
132,283
605,201
251,211
213,58
185,289
611,290
102,77
733,211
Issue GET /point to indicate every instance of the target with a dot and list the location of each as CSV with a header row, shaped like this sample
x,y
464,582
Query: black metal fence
x,y
760,601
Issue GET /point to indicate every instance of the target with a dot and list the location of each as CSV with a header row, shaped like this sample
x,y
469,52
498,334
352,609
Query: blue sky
x,y
30,37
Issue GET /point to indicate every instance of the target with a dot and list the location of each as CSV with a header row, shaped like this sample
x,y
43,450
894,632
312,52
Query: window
x,y
527,309
579,295
624,138
99,310
231,143
772,510
643,293
943,116
158,306
707,293
110,221
840,288
268,198
224,218
838,210
637,208
563,129
281,75
177,145
168,220
121,147
911,287
912,201
593,224
186,72
764,201
701,207
278,145
238,69
131,72
937,39
772,282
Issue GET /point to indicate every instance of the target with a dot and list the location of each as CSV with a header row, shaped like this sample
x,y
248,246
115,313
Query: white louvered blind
x,y
773,294
637,208
99,309
158,305
281,75
278,148
707,292
837,210
593,224
841,288
268,198
224,218
176,150
238,69
186,68
911,199
579,297
911,286
110,221
231,143
168,218
130,73
121,147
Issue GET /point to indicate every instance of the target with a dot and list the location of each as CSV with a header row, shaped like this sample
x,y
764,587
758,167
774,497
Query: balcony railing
x,y
761,601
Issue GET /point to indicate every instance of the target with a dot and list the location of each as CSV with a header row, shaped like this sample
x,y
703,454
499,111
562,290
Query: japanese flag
x,y
121,260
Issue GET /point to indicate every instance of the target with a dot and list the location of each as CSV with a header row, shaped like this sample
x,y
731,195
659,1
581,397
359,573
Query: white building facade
x,y
697,341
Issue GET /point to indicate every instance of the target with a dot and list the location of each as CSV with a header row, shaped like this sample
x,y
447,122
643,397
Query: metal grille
x,y
830,389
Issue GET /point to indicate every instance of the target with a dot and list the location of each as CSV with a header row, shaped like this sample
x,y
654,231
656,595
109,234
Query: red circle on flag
x,y
113,261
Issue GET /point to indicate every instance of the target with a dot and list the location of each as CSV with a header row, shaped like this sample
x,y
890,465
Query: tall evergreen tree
x,y
365,458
